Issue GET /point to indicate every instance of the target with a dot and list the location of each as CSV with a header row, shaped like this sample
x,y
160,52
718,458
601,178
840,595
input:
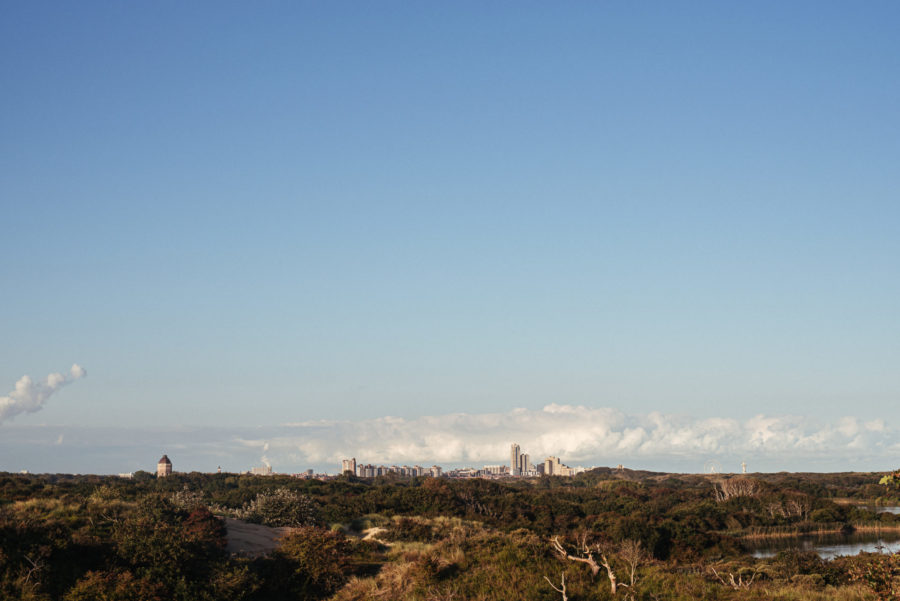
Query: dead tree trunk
x,y
613,584
587,556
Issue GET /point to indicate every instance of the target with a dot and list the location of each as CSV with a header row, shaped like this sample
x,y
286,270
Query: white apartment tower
x,y
554,467
515,460
348,465
549,464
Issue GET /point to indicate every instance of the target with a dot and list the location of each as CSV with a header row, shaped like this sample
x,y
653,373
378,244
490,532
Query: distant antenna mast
x,y
743,467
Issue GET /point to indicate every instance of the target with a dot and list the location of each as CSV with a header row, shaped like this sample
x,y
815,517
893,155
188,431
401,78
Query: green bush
x,y
409,530
311,563
279,507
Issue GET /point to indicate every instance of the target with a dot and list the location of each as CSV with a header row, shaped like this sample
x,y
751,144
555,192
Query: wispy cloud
x,y
29,396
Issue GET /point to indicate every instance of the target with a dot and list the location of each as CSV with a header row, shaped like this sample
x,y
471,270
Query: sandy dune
x,y
252,539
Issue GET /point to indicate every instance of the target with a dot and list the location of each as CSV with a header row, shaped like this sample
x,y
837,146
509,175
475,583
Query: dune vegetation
x,y
600,535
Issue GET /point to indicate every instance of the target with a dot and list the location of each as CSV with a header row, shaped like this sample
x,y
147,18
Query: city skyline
x,y
164,467
584,436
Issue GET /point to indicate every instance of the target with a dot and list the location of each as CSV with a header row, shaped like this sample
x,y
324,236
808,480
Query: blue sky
x,y
238,215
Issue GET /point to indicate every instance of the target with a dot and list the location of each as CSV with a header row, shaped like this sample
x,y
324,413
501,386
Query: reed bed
x,y
809,529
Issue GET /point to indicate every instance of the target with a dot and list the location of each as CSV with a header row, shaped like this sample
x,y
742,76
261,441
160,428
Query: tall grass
x,y
808,529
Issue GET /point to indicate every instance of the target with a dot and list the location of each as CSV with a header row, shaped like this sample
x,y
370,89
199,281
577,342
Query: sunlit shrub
x,y
279,507
115,586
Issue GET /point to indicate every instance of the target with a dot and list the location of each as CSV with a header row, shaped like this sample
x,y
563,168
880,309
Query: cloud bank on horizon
x,y
29,396
579,435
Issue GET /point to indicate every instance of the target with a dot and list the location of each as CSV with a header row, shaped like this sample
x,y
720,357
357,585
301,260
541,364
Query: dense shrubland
x,y
652,536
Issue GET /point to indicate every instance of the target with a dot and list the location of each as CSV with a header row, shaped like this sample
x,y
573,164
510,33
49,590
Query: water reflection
x,y
878,508
828,546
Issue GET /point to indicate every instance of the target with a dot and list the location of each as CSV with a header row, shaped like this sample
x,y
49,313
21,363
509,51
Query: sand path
x,y
252,540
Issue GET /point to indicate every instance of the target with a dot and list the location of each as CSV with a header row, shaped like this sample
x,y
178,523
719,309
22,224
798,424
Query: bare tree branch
x,y
36,566
587,556
633,554
735,487
562,590
738,584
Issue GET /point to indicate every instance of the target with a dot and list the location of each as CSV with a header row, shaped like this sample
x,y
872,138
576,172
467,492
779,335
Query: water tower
x,y
163,467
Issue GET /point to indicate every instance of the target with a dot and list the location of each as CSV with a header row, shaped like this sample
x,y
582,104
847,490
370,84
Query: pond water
x,y
878,508
828,546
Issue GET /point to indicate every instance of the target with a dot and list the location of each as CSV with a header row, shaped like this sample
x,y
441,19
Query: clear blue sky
x,y
243,214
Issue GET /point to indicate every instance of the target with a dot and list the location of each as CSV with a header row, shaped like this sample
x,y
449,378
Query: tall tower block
x,y
514,461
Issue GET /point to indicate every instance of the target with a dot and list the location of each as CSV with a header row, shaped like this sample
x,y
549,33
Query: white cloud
x,y
29,396
876,425
579,435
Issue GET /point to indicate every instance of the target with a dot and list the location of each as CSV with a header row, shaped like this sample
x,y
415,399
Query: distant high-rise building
x,y
515,460
348,465
554,467
163,467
